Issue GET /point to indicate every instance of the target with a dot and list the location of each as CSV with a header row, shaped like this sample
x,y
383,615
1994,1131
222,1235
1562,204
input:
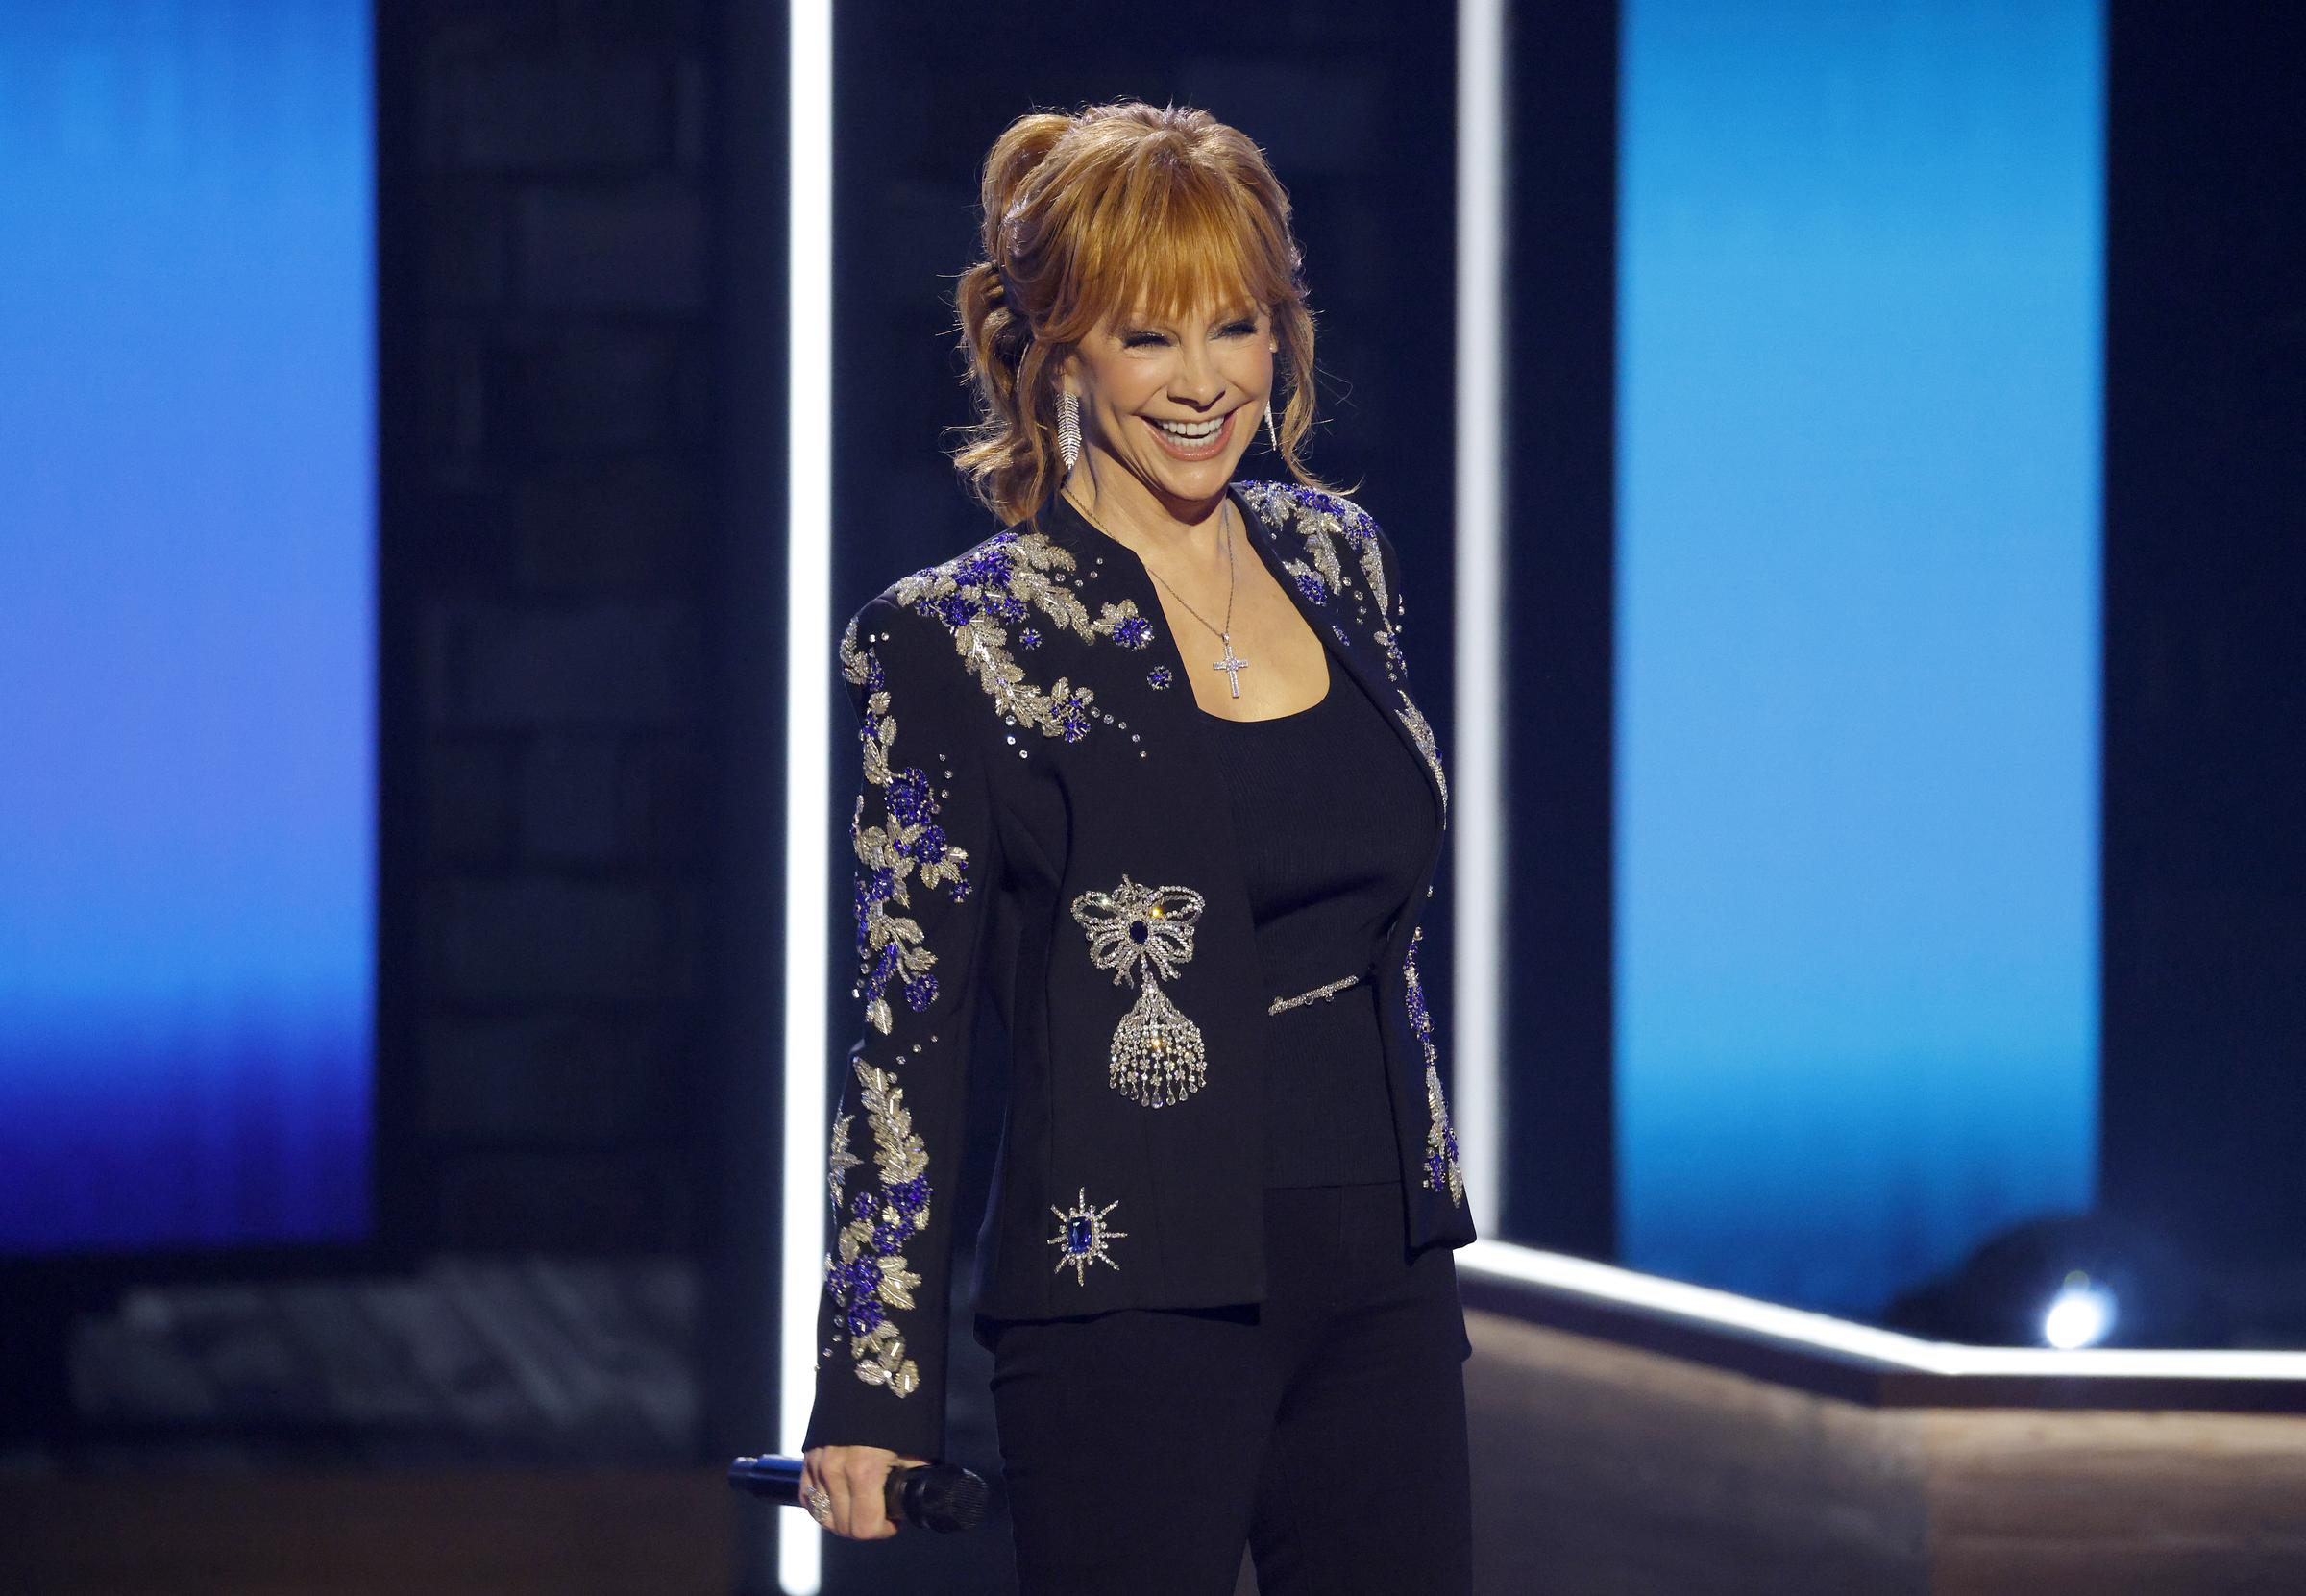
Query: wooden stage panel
x,y
469,1532
2113,1504
1606,1470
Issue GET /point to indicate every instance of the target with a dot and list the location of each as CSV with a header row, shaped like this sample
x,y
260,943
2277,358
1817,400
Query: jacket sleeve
x,y
923,838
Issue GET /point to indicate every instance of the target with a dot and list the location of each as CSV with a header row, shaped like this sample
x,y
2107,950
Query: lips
x,y
1176,448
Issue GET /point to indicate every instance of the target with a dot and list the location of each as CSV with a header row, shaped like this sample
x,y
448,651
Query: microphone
x,y
944,1497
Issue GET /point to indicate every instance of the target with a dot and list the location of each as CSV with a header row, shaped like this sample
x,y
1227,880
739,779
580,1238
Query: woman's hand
x,y
857,1477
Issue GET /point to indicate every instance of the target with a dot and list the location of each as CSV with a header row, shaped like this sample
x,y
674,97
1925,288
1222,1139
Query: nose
x,y
1197,382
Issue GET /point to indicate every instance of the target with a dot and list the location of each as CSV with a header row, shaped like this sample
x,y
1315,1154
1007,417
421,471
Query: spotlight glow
x,y
2081,1315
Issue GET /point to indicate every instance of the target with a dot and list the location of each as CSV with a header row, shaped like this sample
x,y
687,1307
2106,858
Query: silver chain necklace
x,y
1232,664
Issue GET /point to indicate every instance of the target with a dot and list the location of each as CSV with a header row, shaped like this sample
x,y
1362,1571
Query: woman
x,y
1144,764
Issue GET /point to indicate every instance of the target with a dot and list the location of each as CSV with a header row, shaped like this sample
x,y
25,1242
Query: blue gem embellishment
x,y
1082,1236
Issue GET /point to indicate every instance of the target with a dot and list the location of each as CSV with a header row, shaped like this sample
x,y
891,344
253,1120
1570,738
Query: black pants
x,y
1324,1428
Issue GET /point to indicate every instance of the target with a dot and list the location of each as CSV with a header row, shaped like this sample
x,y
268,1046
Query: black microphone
x,y
944,1497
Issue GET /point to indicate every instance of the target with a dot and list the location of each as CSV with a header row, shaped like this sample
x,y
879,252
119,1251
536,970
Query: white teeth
x,y
1198,431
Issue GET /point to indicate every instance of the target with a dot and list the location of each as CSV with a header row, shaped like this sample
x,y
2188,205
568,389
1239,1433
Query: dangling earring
x,y
1069,429
1272,442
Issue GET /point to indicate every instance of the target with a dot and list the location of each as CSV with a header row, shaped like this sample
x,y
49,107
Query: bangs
x,y
1169,238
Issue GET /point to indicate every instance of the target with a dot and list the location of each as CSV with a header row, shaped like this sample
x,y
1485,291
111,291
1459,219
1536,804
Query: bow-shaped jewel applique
x,y
1137,931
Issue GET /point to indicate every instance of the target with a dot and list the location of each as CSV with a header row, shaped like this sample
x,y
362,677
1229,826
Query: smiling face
x,y
1172,402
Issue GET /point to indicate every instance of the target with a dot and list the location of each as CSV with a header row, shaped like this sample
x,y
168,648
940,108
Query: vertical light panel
x,y
809,652
1477,614
1857,637
187,624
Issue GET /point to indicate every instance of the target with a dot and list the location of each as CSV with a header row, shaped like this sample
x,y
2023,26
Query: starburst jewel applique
x,y
1134,930
1082,1234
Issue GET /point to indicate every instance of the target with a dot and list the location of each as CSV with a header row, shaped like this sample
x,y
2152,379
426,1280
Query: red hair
x,y
1120,208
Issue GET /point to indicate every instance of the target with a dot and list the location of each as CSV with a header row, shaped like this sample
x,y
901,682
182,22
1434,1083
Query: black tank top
x,y
1334,818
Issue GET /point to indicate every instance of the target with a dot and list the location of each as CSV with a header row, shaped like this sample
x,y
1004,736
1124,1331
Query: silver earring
x,y
1272,442
1069,429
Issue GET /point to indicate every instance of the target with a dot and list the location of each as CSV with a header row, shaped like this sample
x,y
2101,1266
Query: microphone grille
x,y
948,1498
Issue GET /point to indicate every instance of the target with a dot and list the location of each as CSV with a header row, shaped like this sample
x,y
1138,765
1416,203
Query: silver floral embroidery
x,y
1421,732
1326,564
1124,625
1320,518
1310,581
1134,930
870,1276
840,1162
1082,1236
980,592
1442,1172
1440,1140
906,848
1388,638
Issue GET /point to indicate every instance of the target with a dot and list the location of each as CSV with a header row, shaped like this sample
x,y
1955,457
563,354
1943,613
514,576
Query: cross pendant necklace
x,y
1232,664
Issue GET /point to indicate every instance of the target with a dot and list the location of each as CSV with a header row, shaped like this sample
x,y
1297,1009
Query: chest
x,y
1269,662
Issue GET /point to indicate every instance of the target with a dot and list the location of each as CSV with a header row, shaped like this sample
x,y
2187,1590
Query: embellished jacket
x,y
1037,819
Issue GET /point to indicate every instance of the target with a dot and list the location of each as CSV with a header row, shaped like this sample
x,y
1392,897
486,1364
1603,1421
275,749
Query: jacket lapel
x,y
1332,619
1185,797
1330,564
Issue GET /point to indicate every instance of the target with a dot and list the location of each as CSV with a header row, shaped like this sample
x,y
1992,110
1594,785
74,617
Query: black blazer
x,y
1039,817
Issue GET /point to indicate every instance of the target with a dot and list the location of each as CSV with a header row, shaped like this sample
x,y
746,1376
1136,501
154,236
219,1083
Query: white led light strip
x,y
1727,1310
808,814
1477,789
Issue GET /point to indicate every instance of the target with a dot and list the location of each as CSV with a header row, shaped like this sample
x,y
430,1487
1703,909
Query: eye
x,y
1246,327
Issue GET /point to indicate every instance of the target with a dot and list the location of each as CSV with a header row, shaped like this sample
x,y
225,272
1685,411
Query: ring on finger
x,y
820,1504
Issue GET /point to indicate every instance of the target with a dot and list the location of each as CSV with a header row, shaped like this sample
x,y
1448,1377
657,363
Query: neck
x,y
1142,516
